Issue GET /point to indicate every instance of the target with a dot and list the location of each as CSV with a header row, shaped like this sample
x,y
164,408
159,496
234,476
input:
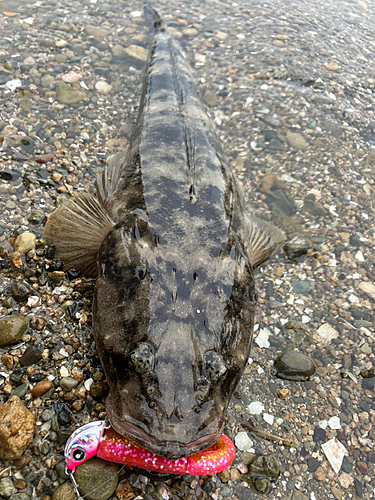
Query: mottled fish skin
x,y
175,297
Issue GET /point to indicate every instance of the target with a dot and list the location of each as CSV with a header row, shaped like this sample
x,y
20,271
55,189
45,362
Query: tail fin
x,y
152,18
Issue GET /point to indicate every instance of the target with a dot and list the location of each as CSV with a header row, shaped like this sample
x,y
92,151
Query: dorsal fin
x,y
77,229
262,240
107,179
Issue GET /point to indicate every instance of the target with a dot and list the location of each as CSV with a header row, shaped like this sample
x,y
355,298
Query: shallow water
x,y
290,86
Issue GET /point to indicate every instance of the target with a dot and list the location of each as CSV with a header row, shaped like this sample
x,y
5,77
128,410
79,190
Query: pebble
x,y
24,242
335,451
67,95
332,66
368,289
293,365
296,141
243,442
64,492
15,260
256,408
210,98
20,290
17,429
95,31
6,487
124,491
41,387
136,54
97,479
12,329
31,356
302,287
103,87
326,333
68,383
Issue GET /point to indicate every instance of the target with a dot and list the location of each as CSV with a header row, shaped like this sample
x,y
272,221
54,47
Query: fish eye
x,y
214,366
78,454
142,358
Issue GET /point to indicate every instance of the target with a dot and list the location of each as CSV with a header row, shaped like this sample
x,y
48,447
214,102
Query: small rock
x,y
67,95
345,480
298,495
243,442
15,260
136,54
56,276
302,287
210,98
31,356
190,32
362,467
17,429
256,408
71,77
95,31
278,43
293,365
368,289
6,487
12,328
336,492
124,491
335,451
41,387
326,333
283,393
57,178
8,360
332,66
296,141
64,492
97,479
103,87
118,51
68,383
24,242
20,290
99,389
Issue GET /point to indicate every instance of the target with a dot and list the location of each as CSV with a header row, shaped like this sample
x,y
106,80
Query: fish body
x,y
173,251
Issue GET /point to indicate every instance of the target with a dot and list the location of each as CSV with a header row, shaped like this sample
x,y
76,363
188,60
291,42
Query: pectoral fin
x,y
77,229
262,240
107,179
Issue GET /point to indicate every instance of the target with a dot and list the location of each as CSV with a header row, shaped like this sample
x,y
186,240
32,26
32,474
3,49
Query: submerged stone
x,y
12,328
97,479
293,365
263,470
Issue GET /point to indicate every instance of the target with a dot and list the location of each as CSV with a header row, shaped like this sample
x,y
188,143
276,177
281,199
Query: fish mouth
x,y
172,450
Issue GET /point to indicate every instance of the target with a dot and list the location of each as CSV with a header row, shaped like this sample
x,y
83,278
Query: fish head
x,y
83,444
173,343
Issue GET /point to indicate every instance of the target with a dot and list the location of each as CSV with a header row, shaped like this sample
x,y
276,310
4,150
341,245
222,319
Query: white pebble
x,y
87,383
256,408
359,256
243,442
103,87
64,372
334,423
268,418
13,84
262,338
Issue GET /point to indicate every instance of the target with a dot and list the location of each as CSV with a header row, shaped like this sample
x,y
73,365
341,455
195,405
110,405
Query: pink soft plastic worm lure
x,y
91,440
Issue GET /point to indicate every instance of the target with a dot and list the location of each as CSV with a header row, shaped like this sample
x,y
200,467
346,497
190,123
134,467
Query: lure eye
x,y
142,358
214,366
78,454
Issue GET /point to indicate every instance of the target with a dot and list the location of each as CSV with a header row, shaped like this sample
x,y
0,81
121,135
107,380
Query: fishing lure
x,y
96,438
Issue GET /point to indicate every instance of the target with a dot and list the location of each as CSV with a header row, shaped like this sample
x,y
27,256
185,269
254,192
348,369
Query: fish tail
x,y
152,18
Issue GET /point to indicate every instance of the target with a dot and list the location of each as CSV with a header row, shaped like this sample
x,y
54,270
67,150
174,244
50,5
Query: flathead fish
x,y
173,252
